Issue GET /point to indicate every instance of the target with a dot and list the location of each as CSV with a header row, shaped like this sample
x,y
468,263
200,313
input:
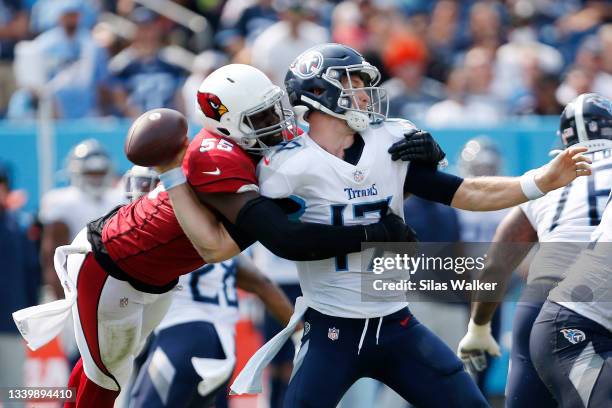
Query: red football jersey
x,y
145,239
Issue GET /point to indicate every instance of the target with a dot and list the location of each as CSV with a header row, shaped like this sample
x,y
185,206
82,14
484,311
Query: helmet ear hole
x,y
318,91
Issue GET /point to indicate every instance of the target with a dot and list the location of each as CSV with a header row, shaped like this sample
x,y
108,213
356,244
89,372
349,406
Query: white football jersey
x,y
569,215
330,190
75,208
479,226
206,294
281,271
587,289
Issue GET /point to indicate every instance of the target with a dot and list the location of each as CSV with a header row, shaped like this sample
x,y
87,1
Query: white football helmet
x,y
90,168
239,102
139,181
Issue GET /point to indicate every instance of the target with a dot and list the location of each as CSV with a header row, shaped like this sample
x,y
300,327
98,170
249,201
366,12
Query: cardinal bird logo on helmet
x,y
211,105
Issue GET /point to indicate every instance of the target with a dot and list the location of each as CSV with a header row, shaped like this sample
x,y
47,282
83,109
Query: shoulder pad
x,y
397,124
212,160
279,154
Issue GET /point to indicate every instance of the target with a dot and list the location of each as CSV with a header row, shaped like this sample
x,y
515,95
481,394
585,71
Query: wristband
x,y
479,329
172,178
529,186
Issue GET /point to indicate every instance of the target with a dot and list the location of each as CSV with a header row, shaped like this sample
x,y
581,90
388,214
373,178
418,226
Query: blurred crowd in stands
x,y
444,62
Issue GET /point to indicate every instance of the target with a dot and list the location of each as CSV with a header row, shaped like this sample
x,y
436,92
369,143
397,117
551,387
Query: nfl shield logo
x,y
358,176
333,334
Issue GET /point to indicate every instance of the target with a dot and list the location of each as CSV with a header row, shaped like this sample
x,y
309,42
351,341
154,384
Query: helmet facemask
x,y
357,117
267,125
92,175
139,181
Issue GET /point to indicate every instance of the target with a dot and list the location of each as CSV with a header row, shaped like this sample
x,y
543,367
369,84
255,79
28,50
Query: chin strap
x,y
355,120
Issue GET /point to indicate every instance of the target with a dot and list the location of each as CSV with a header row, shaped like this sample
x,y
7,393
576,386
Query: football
x,y
156,137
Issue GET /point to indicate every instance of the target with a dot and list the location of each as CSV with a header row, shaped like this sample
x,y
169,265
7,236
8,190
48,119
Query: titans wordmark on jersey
x,y
330,190
569,215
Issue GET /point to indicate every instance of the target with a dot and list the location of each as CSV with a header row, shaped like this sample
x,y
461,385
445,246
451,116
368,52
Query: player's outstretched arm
x,y
495,193
249,278
206,233
263,220
505,254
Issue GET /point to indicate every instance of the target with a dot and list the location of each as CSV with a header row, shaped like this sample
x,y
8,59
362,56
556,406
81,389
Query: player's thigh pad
x,y
108,319
572,356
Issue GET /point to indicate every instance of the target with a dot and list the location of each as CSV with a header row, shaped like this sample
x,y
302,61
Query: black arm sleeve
x,y
263,220
241,238
431,184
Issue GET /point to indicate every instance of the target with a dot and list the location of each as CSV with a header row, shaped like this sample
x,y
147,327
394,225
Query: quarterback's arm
x,y
512,242
54,234
249,278
495,193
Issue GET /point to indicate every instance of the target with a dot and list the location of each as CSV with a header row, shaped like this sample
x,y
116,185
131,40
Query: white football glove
x,y
474,344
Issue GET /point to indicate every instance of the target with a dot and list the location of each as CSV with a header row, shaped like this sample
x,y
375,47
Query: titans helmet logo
x,y
574,336
211,105
603,103
307,65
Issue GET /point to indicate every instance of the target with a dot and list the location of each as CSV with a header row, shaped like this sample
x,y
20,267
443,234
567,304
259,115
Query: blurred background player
x,y
20,275
479,157
139,181
562,222
65,211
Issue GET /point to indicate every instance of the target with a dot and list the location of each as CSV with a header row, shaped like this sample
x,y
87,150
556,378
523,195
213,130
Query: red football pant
x,y
111,323
88,391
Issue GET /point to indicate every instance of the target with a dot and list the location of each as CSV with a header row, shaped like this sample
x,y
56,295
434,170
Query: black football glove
x,y
418,146
391,228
